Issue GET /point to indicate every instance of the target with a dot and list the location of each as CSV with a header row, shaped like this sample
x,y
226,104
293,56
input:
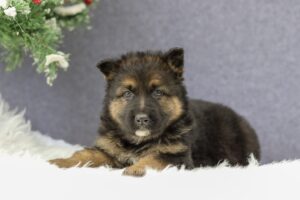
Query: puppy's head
x,y
145,94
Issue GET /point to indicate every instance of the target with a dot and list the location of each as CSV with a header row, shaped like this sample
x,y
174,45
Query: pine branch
x,y
36,29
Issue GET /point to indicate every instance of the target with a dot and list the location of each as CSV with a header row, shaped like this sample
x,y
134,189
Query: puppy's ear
x,y
175,60
109,68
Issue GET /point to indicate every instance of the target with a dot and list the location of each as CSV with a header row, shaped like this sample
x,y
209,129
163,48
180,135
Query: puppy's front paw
x,y
63,163
134,171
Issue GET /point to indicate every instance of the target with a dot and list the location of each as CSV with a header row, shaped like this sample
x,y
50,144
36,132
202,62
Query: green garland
x,y
35,27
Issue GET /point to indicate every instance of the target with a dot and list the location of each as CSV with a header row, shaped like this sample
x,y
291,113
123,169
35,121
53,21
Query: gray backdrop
x,y
242,53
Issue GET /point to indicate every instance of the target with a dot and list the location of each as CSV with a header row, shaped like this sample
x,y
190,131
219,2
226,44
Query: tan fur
x,y
109,77
154,79
89,157
120,91
172,148
172,106
142,102
181,131
152,59
129,61
177,70
150,161
154,82
113,147
115,107
129,82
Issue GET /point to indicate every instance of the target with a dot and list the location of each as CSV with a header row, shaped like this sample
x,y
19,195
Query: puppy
x,y
149,122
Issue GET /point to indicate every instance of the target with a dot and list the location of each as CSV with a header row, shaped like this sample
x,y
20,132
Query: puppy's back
x,y
223,134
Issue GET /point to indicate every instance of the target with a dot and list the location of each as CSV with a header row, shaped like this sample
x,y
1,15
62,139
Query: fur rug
x,y
25,174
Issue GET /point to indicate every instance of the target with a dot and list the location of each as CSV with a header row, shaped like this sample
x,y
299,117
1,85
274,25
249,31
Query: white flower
x,y
47,10
52,23
11,12
3,4
26,10
70,10
60,58
50,80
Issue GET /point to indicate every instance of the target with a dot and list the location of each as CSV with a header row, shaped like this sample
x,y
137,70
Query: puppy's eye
x,y
157,93
128,95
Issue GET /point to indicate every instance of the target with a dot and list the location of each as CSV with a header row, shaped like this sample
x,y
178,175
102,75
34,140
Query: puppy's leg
x,y
89,156
139,168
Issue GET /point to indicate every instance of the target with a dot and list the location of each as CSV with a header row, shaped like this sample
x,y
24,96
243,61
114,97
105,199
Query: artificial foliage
x,y
34,27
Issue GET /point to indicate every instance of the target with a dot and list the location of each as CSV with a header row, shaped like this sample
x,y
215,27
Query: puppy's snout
x,y
142,120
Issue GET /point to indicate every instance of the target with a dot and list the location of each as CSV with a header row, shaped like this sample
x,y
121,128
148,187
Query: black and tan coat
x,y
148,120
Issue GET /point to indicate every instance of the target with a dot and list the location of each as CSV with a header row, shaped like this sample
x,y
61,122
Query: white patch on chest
x,y
142,133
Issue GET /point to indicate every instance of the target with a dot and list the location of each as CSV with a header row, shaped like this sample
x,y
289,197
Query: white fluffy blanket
x,y
25,174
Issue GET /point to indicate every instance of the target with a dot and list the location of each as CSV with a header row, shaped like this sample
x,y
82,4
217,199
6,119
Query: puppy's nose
x,y
142,120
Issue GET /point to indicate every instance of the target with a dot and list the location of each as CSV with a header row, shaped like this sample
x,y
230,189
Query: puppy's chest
x,y
129,154
128,157
123,153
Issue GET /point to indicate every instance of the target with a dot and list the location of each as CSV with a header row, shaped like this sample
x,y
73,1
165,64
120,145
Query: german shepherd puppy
x,y
148,120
